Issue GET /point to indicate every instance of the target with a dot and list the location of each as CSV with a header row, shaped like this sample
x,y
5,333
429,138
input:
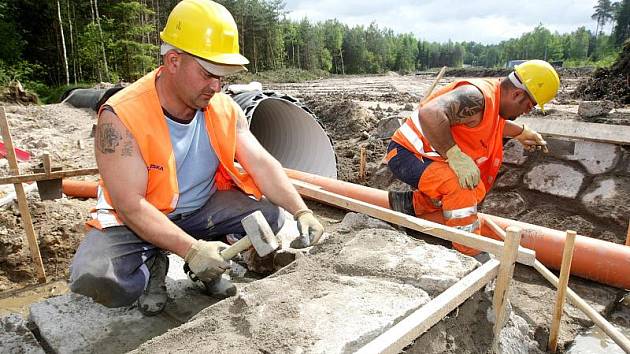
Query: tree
x,y
602,15
621,31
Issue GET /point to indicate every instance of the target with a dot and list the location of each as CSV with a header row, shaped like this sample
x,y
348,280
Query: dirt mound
x,y
477,72
59,226
342,117
610,84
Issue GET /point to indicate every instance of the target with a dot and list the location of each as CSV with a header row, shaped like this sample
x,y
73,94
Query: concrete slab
x,y
384,254
353,286
596,157
15,337
73,323
556,179
590,109
298,312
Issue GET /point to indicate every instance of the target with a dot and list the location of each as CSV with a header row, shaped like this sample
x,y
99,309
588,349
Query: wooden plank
x,y
605,133
362,162
574,298
469,239
506,271
565,269
48,176
628,235
414,325
25,214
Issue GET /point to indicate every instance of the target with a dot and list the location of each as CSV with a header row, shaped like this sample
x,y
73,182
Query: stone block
x,y
305,311
610,197
596,157
15,337
384,253
556,179
386,127
589,109
507,205
513,153
73,323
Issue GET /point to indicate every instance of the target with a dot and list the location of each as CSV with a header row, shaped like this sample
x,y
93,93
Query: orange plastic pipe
x,y
79,189
601,261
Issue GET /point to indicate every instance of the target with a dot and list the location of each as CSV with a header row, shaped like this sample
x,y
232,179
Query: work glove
x,y
464,167
310,228
205,261
531,140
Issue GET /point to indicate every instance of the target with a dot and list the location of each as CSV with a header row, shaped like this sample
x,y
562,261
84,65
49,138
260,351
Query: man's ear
x,y
172,60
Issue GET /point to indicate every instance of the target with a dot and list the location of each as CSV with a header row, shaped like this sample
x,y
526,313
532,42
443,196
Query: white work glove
x,y
531,140
310,228
205,261
464,167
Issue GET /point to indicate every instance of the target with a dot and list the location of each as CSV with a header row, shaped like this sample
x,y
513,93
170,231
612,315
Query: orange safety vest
x,y
139,109
483,143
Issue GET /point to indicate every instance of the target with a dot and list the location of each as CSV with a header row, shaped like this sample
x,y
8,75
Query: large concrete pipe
x,y
289,131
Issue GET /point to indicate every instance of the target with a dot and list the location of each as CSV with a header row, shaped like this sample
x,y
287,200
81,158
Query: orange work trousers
x,y
439,189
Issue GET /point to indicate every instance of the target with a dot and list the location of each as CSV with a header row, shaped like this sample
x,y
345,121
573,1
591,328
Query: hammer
x,y
259,235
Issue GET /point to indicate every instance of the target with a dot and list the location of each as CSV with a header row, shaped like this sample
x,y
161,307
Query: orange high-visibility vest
x,y
483,143
139,109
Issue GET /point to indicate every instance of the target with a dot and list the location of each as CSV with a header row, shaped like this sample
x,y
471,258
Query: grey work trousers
x,y
109,265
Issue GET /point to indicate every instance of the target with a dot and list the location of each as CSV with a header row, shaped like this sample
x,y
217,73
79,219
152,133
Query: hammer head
x,y
260,233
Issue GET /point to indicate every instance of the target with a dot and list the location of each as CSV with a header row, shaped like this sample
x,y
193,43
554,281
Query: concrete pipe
x,y
289,131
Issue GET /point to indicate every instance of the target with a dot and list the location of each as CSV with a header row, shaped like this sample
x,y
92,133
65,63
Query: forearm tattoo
x,y
462,104
108,138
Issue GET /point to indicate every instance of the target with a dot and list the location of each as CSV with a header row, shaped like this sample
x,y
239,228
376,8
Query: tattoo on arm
x,y
127,148
462,105
108,138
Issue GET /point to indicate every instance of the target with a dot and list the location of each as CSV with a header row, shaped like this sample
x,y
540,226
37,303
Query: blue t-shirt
x,y
196,162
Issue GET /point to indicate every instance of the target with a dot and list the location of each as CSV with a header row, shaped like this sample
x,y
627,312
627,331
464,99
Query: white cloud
x,y
486,21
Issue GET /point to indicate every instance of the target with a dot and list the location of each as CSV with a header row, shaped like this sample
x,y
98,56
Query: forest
x,y
55,43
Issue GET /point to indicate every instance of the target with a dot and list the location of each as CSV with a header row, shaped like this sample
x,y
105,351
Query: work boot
x,y
153,299
402,202
220,288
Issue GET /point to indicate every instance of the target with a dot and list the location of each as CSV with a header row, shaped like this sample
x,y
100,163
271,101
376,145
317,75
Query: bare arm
x,y
265,170
125,175
512,129
464,105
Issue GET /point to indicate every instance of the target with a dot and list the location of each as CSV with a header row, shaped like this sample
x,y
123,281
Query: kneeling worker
x,y
165,149
451,148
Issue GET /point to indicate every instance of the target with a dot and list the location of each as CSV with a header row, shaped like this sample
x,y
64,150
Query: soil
x,y
610,84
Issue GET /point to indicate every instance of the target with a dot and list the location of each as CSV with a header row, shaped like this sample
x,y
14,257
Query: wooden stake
x,y
22,202
437,79
567,257
47,163
48,176
501,290
362,164
574,298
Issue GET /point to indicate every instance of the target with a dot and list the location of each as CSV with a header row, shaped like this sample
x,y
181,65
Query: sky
x,y
485,21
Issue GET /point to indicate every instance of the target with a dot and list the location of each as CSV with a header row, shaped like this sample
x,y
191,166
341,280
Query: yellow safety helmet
x,y
205,29
540,79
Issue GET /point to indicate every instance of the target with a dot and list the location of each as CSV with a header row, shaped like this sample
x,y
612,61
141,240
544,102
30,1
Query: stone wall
x,y
579,185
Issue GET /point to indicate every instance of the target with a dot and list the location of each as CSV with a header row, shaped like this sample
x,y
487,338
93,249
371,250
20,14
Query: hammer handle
x,y
240,246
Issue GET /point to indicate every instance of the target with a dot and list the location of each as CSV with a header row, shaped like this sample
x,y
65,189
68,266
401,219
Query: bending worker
x,y
451,149
165,149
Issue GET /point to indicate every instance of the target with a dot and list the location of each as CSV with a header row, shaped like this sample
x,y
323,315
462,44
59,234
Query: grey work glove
x,y
464,167
205,261
310,229
531,140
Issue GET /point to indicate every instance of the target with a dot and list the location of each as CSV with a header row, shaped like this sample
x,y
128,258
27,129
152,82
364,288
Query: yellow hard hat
x,y
540,79
205,29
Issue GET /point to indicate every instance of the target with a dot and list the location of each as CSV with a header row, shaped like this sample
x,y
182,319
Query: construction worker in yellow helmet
x,y
451,148
166,151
